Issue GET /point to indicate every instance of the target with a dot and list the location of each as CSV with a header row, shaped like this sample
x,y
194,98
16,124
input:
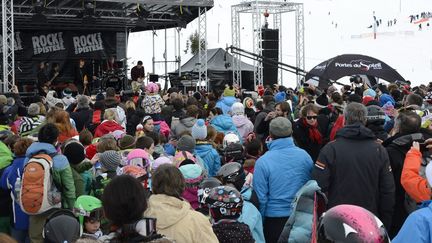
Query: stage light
x,y
39,9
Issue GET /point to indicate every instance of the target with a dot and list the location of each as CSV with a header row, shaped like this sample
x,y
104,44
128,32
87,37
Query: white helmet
x,y
229,139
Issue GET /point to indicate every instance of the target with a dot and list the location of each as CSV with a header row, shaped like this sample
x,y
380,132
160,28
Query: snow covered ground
x,y
332,27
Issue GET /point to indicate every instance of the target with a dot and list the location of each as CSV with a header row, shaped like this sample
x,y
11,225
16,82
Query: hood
x,y
168,210
203,148
110,126
188,121
223,122
5,155
51,100
229,100
356,132
37,148
240,121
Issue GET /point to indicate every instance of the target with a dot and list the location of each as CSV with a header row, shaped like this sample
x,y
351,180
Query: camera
x,y
356,79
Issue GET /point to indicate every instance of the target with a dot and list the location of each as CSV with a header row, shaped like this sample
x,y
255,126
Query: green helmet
x,y
87,206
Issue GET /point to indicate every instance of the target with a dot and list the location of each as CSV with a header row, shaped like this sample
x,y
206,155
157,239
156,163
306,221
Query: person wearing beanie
x,y
152,102
126,144
193,175
82,114
208,154
110,160
243,124
186,143
375,121
282,160
74,152
30,123
226,100
199,130
67,97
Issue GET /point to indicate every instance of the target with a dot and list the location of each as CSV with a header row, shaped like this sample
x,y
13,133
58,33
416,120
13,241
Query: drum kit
x,y
116,78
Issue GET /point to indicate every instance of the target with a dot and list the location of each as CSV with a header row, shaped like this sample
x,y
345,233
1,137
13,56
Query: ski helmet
x,y
87,206
225,202
61,226
205,187
138,157
234,152
233,173
229,139
183,158
349,223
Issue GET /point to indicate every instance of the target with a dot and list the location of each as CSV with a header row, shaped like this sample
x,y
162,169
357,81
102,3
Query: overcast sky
x,y
401,46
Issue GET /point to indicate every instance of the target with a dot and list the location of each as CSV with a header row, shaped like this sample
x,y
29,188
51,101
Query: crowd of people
x,y
224,166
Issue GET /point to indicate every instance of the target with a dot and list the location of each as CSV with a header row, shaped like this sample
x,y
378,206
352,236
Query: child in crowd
x,y
225,205
89,211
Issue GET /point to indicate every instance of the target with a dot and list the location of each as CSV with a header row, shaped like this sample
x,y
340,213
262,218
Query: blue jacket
x,y
61,173
278,175
225,124
417,227
252,217
210,157
225,103
8,179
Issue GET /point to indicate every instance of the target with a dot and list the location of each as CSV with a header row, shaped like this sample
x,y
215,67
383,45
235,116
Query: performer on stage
x,y
111,64
55,73
83,77
43,81
138,72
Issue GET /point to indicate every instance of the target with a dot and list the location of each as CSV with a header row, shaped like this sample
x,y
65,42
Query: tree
x,y
194,42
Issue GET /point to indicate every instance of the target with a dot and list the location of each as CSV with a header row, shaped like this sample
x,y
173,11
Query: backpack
x,y
95,120
38,192
161,127
307,207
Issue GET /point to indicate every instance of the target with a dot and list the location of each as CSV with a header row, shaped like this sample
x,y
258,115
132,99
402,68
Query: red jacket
x,y
415,186
106,127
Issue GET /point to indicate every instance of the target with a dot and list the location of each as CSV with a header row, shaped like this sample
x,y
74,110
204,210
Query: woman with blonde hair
x,y
109,124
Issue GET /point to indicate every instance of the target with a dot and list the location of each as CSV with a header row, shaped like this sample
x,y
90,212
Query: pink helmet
x,y
160,161
152,87
180,156
138,157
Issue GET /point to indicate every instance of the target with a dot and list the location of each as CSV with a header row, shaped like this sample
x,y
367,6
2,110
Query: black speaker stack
x,y
270,51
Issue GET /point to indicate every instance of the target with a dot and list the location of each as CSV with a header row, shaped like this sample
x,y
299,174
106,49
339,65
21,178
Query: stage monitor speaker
x,y
270,52
154,78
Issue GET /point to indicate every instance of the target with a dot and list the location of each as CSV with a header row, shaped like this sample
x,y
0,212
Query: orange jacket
x,y
416,186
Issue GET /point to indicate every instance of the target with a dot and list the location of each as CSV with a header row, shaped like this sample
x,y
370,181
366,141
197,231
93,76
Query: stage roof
x,y
110,15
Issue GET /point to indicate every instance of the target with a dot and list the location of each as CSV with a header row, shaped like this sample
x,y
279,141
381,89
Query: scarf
x,y
314,133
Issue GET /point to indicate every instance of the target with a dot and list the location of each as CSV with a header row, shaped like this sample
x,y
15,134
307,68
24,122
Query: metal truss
x,y
110,14
8,78
275,8
235,28
300,48
257,46
202,49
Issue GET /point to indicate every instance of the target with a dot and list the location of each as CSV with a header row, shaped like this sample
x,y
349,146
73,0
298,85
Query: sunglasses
x,y
311,117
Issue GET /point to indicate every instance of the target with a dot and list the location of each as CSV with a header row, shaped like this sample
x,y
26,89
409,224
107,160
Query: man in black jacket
x,y
406,124
355,168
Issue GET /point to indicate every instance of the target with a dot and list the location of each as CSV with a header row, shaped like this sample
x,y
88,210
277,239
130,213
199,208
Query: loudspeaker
x,y
154,78
270,52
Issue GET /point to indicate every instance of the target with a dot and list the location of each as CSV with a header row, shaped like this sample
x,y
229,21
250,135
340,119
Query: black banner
x,y
65,48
